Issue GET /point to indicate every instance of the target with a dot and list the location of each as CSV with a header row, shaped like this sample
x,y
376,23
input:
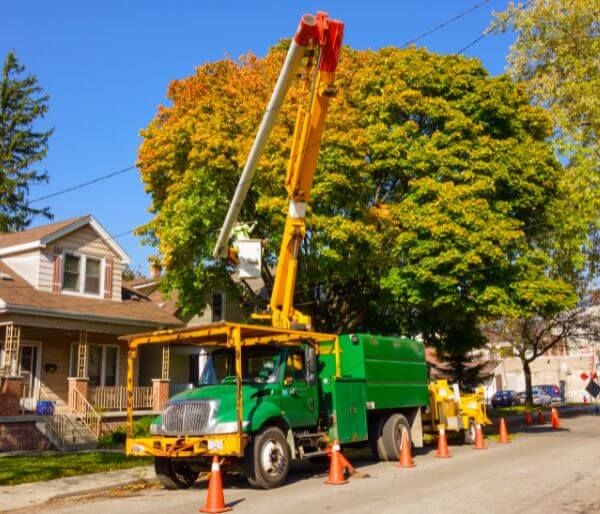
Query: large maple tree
x,y
432,180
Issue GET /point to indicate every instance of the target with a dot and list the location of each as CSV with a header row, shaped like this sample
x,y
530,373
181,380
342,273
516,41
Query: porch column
x,y
160,386
80,381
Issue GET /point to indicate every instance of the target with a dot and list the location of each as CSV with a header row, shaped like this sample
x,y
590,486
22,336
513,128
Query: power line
x,y
444,23
83,184
490,29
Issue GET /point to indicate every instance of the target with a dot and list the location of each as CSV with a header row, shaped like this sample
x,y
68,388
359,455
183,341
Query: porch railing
x,y
65,429
83,409
115,398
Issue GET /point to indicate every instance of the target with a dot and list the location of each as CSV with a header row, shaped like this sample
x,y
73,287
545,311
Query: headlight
x,y
227,428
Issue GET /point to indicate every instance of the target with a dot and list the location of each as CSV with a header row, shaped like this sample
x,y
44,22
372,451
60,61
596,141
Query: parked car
x,y
552,390
539,397
505,398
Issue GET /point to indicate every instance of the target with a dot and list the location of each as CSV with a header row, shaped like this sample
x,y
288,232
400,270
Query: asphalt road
x,y
540,471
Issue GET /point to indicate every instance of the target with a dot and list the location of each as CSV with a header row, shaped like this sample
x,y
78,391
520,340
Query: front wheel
x,y
267,459
174,473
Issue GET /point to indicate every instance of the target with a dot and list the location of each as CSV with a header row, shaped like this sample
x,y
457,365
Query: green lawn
x,y
26,468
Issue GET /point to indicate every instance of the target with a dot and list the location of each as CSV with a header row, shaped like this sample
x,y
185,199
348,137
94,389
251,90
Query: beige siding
x,y
233,311
26,265
86,241
46,271
117,280
57,348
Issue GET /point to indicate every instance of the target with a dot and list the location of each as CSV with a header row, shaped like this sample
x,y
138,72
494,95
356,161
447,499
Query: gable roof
x,y
18,296
40,237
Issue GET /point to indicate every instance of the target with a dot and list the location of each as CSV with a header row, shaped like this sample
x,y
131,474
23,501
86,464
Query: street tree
x,y
555,58
433,180
532,337
22,144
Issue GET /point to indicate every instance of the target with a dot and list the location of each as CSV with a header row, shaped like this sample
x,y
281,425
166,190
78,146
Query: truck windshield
x,y
259,366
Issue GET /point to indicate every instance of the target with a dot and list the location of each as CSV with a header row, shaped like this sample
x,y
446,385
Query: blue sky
x,y
106,66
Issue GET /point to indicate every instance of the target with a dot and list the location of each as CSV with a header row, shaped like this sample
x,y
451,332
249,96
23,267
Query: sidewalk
x,y
28,495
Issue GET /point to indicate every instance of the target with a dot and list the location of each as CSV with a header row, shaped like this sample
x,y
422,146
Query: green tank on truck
x,y
296,399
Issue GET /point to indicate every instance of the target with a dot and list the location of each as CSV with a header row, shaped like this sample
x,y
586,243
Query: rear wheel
x,y
389,442
267,459
174,473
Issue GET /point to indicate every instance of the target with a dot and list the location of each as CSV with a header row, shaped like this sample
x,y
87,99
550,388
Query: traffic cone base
x,y
503,436
336,468
442,449
479,441
215,501
406,460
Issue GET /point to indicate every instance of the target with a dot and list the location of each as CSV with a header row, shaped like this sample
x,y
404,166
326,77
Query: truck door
x,y
299,391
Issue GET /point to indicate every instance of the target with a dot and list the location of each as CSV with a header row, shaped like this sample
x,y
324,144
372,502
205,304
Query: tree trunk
x,y
527,373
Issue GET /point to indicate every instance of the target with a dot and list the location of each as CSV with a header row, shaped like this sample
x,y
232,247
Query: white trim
x,y
83,257
8,250
223,305
82,222
102,383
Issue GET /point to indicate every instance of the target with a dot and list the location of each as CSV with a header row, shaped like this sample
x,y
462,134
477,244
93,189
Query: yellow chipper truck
x,y
273,392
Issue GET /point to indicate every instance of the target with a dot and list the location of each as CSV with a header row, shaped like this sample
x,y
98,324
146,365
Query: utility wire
x,y
83,184
443,24
490,29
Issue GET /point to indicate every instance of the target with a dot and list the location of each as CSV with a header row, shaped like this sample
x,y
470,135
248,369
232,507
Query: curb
x,y
99,489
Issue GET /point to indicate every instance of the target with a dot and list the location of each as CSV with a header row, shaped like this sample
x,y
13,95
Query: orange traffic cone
x,y
528,420
406,460
336,468
503,432
555,420
479,441
215,502
540,418
442,448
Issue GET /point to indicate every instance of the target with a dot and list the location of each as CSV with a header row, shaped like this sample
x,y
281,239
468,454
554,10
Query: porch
x,y
76,379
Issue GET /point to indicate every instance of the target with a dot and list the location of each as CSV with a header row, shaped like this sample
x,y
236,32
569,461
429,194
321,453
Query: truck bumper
x,y
225,445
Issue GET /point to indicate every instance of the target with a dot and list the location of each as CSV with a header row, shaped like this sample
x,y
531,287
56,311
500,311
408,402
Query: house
x,y
185,362
62,309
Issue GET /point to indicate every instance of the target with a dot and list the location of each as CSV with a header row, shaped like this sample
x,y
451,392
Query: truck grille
x,y
187,417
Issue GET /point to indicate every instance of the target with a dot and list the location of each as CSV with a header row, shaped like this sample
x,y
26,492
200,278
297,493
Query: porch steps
x,y
68,433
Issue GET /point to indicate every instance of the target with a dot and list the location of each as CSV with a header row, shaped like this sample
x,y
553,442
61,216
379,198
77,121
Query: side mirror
x,y
288,381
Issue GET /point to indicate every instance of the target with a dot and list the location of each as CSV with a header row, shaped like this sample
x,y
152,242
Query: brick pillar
x,y
11,389
160,393
80,384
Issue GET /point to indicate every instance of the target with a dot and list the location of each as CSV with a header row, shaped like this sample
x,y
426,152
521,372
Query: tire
x,y
469,433
267,459
389,442
174,473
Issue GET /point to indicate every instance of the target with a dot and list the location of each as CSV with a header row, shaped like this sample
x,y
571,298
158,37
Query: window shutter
x,y
56,278
108,278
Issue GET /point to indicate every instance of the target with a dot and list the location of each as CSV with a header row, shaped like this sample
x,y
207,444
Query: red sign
x,y
584,376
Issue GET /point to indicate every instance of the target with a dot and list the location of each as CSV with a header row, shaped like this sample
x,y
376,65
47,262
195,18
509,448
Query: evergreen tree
x,y
21,145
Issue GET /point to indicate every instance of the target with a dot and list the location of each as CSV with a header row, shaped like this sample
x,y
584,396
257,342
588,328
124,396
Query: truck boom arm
x,y
326,34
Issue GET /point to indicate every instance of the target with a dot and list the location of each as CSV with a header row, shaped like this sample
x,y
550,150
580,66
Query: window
x,y
218,306
102,364
71,274
295,366
82,274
